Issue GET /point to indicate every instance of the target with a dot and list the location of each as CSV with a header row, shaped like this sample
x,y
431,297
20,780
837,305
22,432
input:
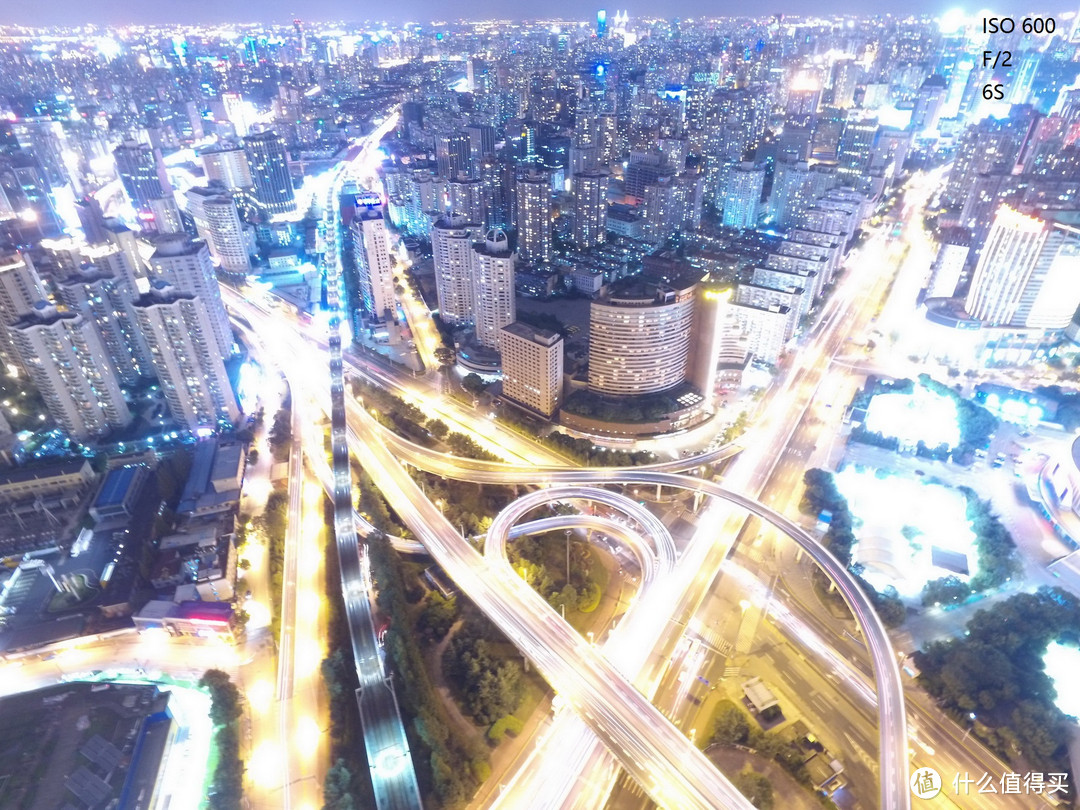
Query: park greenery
x,y
409,422
271,525
225,711
732,727
449,766
582,451
822,495
998,561
346,786
541,560
488,685
630,410
280,437
995,672
976,424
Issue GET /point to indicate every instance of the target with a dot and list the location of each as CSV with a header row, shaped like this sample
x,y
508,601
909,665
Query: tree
x,y
445,356
337,788
474,384
438,615
755,787
730,726
437,428
225,697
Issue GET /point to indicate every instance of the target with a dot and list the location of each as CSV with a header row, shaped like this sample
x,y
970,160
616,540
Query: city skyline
x,y
62,13
606,413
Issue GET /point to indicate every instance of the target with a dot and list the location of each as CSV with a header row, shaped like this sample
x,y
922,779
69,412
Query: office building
x,y
185,263
269,166
493,287
227,166
139,173
590,209
640,337
532,367
533,193
452,155
1028,274
179,331
64,358
451,246
374,266
218,223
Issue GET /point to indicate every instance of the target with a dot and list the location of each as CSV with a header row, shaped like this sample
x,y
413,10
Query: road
x,y
393,777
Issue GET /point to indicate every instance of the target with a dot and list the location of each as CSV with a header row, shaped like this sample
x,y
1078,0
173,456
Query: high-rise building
x,y
532,367
947,268
1028,275
496,178
185,263
137,166
856,146
236,112
742,196
590,209
451,246
164,216
374,267
218,223
227,165
179,332
64,358
928,104
467,198
640,337
20,290
533,192
269,166
452,154
481,144
493,287
95,294
764,328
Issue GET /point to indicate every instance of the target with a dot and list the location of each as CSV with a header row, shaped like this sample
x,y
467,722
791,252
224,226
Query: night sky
x,y
119,12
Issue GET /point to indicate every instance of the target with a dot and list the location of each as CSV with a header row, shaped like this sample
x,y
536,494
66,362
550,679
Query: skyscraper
x,y
185,263
218,223
269,166
64,358
179,332
590,209
533,193
138,169
452,154
452,248
374,268
493,287
1028,275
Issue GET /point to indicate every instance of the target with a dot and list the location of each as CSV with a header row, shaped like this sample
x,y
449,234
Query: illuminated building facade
x,y
532,367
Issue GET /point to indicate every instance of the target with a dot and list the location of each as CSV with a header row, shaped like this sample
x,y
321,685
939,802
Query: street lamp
x,y
567,556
